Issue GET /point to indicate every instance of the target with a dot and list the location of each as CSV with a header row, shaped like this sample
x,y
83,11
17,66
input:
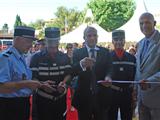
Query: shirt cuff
x,y
84,69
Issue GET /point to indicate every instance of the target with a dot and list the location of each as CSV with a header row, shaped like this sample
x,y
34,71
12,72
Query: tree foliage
x,y
67,19
39,25
5,28
64,19
158,26
18,21
111,14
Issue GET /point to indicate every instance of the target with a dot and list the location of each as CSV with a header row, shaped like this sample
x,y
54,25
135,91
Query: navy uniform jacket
x,y
45,68
123,68
13,68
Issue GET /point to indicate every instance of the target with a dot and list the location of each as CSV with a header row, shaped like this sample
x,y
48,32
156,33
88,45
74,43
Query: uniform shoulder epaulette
x,y
7,53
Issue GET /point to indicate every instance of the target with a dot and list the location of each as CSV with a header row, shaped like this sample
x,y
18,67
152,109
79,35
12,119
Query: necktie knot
x,y
147,43
92,53
92,50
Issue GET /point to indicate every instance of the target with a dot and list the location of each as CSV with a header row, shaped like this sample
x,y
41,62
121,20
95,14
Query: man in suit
x,y
148,69
91,63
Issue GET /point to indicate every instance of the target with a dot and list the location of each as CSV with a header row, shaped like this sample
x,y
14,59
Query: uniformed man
x,y
15,77
51,64
123,70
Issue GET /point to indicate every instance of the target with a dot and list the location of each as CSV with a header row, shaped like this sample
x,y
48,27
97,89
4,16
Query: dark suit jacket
x,y
82,97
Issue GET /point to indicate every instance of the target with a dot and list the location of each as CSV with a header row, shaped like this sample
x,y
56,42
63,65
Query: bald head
x,y
147,24
147,15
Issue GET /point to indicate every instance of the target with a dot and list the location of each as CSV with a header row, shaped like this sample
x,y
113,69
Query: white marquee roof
x,y
132,29
77,34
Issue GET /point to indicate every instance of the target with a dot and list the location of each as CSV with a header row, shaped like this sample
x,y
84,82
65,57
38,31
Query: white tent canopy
x,y
132,29
77,34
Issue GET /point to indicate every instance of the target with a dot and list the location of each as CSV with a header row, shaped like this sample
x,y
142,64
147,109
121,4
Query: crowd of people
x,y
102,81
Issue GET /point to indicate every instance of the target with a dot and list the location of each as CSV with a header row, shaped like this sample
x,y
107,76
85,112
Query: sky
x,y
31,10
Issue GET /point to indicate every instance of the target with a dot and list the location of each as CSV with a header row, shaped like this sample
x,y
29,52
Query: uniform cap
x,y
52,35
23,31
118,34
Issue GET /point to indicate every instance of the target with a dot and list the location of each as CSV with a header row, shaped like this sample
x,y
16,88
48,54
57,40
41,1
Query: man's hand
x,y
10,87
87,62
144,85
48,86
107,82
32,84
61,87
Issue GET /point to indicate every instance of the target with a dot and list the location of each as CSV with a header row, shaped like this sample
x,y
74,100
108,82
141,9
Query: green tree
x,y
111,14
39,25
64,19
18,21
158,26
67,19
5,28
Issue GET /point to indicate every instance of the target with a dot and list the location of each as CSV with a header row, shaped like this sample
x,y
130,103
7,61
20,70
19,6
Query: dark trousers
x,y
92,111
50,110
121,101
14,108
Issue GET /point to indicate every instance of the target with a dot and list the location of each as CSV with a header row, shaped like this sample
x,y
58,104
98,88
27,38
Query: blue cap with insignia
x,y
52,35
23,31
118,34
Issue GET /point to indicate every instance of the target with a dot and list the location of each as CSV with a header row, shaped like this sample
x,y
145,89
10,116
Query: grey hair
x,y
87,29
